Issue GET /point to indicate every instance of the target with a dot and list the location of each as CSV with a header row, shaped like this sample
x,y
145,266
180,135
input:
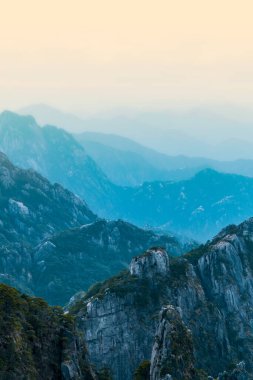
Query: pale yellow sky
x,y
95,55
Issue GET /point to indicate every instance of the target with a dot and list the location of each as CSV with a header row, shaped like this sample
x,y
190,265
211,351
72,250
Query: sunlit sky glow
x,y
96,55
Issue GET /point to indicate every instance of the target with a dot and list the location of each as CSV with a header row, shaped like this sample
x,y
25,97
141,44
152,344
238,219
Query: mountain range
x,y
75,259
186,318
56,155
140,302
197,206
128,163
31,210
53,246
232,154
213,132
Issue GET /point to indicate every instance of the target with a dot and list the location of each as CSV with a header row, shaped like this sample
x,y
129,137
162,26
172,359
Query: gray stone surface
x,y
212,289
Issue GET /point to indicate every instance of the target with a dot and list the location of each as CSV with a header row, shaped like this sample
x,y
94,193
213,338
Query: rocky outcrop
x,y
155,262
172,354
117,326
212,290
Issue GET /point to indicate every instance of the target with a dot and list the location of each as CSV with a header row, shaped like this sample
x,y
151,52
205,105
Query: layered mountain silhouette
x,y
128,163
157,309
198,206
55,154
52,245
213,132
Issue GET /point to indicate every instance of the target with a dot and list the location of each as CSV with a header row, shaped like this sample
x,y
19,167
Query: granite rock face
x,y
154,262
211,289
172,353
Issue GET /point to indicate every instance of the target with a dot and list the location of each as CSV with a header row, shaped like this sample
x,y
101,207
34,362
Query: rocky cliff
x,y
172,353
212,291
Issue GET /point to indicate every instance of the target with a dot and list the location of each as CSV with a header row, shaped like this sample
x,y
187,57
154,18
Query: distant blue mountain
x,y
198,207
57,155
223,133
175,198
52,245
128,163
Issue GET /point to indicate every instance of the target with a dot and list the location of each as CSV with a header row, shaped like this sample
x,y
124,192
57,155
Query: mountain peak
x,y
7,118
244,229
153,262
208,172
4,158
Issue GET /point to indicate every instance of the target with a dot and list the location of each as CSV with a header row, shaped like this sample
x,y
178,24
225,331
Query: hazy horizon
x,y
217,133
100,56
143,70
